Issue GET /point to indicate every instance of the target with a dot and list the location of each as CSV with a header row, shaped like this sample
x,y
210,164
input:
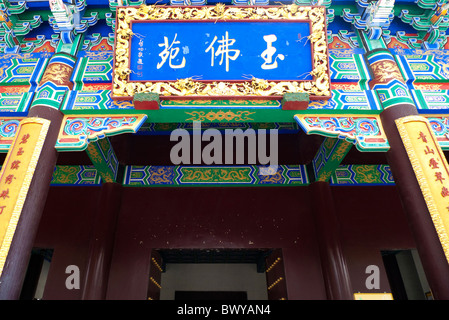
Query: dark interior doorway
x,y
209,274
405,275
36,275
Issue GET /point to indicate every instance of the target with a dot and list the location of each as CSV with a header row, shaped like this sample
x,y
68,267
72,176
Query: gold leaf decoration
x,y
255,87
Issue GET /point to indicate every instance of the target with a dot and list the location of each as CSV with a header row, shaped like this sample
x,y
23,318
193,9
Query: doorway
x,y
406,275
212,274
36,275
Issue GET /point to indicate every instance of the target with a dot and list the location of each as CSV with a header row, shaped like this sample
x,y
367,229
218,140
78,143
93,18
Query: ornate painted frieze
x,y
213,176
431,101
396,74
49,95
154,176
16,103
150,128
93,67
94,100
75,175
344,39
348,66
22,69
425,65
362,175
221,111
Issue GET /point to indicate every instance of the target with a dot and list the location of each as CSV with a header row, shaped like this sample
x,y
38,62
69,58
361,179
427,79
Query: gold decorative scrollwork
x,y
220,116
320,86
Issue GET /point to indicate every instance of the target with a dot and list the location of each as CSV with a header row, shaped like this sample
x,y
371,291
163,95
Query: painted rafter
x,y
431,25
11,27
371,16
429,4
113,4
68,19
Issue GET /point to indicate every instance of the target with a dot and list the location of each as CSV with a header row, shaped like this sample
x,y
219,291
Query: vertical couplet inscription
x,y
16,175
431,169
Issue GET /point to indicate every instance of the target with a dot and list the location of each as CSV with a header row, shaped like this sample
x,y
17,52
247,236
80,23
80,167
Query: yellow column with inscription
x,y
431,169
16,175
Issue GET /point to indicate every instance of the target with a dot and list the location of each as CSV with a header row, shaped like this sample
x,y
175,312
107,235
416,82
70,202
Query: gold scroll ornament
x,y
431,170
15,177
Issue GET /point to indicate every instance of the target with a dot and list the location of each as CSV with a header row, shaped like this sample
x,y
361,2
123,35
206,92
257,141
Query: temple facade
x,y
253,150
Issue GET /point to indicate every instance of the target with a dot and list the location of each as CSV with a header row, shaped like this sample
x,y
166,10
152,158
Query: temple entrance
x,y
406,275
216,274
36,276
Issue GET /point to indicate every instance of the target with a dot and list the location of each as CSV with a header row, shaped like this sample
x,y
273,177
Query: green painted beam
x,y
361,174
75,175
222,176
329,156
214,176
103,157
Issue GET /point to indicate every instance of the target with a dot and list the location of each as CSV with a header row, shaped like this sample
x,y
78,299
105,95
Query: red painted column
x,y
428,244
16,264
333,263
391,88
102,243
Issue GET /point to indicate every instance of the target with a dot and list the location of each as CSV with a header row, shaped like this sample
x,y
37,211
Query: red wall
x,y
372,219
215,218
261,217
65,226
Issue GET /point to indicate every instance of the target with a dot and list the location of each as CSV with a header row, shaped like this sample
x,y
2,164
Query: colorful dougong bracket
x,y
78,131
365,131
